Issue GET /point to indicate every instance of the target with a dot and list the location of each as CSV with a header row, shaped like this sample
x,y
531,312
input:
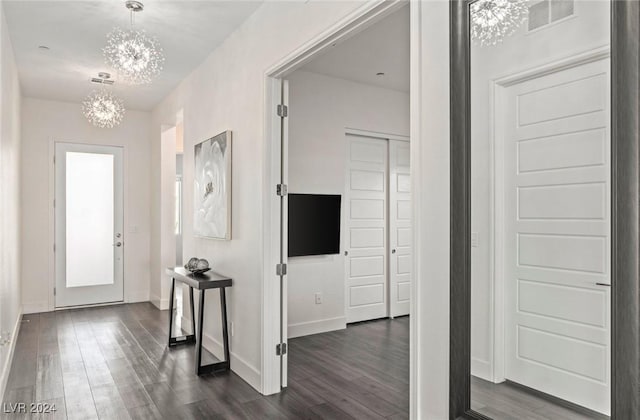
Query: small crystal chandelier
x,y
136,56
493,20
102,108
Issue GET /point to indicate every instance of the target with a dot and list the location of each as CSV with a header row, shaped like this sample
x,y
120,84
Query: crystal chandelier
x,y
493,20
102,109
136,56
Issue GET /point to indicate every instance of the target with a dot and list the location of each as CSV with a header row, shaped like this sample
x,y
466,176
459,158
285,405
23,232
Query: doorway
x,y
317,112
89,237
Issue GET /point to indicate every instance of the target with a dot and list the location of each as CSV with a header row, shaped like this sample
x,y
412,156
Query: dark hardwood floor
x,y
506,401
112,363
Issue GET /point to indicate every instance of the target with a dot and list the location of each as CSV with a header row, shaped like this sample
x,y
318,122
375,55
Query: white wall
x,y
10,220
43,123
430,175
587,30
227,92
320,108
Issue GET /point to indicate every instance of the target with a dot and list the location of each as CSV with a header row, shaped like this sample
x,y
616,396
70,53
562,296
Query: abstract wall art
x,y
212,189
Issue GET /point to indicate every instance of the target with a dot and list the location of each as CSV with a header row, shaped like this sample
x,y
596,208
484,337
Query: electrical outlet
x,y
233,331
318,298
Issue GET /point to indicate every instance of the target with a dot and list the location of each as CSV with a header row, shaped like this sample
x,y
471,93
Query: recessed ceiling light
x,y
43,47
380,74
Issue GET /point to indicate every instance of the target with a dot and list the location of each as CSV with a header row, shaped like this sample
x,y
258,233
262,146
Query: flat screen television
x,y
314,224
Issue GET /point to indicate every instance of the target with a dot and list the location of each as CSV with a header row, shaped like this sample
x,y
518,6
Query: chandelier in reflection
x,y
137,57
493,20
103,109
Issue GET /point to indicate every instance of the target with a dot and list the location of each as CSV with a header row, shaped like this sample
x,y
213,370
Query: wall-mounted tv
x,y
314,224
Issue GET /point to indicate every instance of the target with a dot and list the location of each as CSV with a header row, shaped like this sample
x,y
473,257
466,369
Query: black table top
x,y
208,280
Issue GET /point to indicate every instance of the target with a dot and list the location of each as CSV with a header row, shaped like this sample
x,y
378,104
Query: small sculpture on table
x,y
197,265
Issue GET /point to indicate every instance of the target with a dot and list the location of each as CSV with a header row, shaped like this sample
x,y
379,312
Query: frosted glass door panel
x,y
89,219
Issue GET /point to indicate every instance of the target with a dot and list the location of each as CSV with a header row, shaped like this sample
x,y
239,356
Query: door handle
x,y
393,251
346,253
118,244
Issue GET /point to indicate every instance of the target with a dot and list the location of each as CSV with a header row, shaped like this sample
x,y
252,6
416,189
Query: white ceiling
x,y
383,47
75,32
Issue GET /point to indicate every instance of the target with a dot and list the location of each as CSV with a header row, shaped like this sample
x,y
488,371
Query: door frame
x,y
49,304
345,220
497,191
272,328
119,202
625,211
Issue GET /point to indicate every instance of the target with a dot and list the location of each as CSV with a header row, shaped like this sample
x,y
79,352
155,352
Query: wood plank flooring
x,y
112,363
506,401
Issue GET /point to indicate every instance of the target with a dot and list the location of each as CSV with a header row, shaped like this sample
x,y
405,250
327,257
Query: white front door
x,y
89,239
400,232
366,236
557,234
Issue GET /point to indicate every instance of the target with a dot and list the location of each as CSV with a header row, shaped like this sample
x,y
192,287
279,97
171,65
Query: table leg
x,y
225,331
173,287
193,312
199,333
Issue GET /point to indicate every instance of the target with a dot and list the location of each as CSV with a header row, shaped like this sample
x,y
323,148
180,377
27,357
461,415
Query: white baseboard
x,y
242,368
162,304
137,296
6,369
316,327
481,369
35,307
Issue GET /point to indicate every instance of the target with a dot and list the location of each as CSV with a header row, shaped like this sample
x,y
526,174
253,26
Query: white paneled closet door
x,y
557,234
366,235
400,232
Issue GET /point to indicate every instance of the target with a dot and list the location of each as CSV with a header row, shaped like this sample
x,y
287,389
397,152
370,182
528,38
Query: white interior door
x,y
89,238
400,232
366,236
557,234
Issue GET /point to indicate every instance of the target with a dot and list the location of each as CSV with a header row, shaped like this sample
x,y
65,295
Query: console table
x,y
202,282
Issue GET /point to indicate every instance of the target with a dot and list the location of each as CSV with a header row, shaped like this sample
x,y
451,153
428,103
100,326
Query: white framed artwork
x,y
212,187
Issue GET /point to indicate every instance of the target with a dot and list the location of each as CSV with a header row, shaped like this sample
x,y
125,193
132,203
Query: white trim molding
x,y
316,327
135,296
362,17
240,366
375,134
162,304
35,307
